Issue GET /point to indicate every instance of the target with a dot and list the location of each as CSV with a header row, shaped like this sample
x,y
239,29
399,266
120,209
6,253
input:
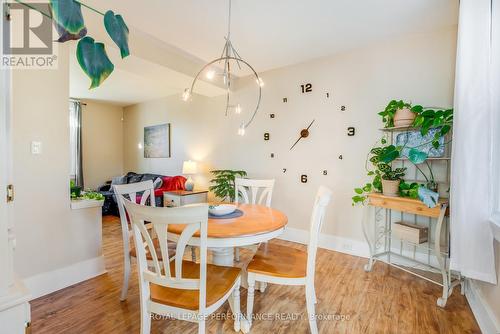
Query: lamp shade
x,y
189,167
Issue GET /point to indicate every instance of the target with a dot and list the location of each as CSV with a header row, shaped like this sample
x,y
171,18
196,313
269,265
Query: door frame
x,y
6,222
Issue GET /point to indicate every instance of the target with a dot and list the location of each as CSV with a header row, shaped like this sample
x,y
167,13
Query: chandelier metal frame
x,y
229,54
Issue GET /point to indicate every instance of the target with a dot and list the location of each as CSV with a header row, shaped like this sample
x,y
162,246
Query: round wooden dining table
x,y
257,224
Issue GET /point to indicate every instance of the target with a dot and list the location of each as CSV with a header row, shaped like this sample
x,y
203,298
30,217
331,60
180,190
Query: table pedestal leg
x,y
223,256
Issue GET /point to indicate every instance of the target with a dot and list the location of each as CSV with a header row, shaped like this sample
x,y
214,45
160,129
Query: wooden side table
x,y
184,197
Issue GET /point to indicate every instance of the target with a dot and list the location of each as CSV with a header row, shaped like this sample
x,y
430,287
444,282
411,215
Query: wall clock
x,y
306,88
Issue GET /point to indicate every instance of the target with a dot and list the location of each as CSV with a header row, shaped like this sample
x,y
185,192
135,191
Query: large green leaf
x,y
118,31
389,154
94,61
68,19
416,156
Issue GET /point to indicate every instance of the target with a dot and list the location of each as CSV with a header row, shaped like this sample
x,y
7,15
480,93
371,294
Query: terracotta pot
x,y
390,188
404,117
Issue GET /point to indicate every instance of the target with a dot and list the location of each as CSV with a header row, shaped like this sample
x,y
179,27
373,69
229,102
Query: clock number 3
x,y
307,88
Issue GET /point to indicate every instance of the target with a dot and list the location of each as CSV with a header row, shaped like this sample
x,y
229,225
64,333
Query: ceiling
x,y
268,34
276,33
133,80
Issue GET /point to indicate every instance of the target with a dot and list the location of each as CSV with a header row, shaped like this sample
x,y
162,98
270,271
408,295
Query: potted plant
x,y
223,181
391,179
74,190
399,114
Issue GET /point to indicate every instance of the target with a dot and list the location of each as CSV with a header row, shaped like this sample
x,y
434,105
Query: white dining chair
x,y
289,266
251,191
133,190
182,289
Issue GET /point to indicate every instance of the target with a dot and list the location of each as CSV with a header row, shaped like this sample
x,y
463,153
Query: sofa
x,y
161,183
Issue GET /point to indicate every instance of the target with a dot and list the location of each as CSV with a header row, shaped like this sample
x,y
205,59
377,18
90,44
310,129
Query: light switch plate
x,y
36,147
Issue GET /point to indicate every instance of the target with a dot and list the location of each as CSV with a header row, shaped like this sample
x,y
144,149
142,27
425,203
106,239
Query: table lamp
x,y
188,169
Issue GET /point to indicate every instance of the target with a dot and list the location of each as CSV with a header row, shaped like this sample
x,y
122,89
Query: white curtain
x,y
476,102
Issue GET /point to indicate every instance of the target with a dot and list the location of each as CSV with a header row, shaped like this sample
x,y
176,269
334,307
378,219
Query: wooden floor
x,y
386,300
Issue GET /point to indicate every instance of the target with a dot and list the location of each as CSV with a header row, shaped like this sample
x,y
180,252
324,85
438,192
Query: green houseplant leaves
x,y
68,19
118,31
224,183
416,156
94,61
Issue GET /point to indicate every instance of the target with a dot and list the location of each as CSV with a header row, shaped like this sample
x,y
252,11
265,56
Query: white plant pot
x,y
404,117
390,188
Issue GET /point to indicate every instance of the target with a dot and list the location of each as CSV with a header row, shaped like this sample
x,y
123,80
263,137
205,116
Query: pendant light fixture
x,y
228,58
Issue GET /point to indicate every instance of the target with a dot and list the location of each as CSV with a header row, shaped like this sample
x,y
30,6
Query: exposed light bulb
x,y
241,130
260,82
139,146
238,109
210,74
186,94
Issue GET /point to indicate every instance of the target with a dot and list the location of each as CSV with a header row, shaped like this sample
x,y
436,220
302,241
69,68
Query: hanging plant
x,y
70,25
93,60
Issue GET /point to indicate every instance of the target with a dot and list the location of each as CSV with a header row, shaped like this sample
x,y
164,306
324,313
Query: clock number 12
x,y
307,88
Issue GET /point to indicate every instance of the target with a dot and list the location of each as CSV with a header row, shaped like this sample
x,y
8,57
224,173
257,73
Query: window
x,y
75,142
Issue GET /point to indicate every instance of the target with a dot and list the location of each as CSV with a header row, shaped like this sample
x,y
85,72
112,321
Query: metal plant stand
x,y
428,260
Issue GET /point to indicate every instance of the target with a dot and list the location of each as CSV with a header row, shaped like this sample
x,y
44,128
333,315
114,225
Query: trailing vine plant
x,y
91,55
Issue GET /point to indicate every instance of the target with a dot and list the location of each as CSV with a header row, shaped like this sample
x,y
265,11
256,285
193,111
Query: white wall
x,y
50,236
419,68
102,139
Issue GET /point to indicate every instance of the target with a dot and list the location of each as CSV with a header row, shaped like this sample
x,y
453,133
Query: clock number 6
x,y
303,178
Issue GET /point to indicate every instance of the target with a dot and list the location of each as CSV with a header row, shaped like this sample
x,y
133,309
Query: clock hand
x,y
295,143
303,134
310,124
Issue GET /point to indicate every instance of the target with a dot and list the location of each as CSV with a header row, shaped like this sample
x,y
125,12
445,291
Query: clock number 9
x,y
266,136
303,178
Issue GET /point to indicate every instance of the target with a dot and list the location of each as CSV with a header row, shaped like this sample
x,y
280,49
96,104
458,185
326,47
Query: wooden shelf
x,y
401,129
431,159
406,205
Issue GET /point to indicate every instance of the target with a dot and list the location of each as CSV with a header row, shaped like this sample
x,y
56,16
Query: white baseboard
x,y
482,311
328,241
48,282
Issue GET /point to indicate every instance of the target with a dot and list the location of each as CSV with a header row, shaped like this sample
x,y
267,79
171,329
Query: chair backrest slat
x,y
195,218
131,190
321,201
248,190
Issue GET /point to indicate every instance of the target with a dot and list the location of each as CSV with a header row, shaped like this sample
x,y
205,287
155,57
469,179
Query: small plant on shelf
x,y
391,178
399,113
76,193
381,171
223,181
